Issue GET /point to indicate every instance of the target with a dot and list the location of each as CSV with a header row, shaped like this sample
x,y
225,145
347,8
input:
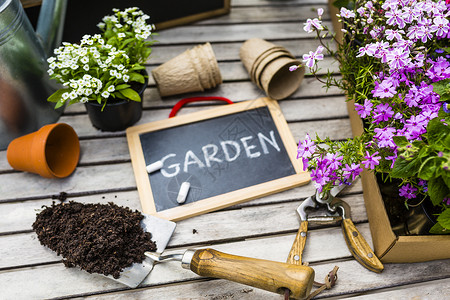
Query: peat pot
x,y
117,114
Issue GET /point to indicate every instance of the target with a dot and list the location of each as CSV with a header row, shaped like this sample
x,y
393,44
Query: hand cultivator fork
x,y
337,210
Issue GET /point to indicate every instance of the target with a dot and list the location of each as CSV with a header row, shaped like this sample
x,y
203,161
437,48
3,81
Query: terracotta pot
x,y
117,115
52,151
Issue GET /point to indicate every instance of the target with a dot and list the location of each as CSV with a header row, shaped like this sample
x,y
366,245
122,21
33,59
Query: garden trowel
x,y
269,275
161,231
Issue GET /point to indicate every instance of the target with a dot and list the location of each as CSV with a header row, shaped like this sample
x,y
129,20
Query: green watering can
x,y
24,82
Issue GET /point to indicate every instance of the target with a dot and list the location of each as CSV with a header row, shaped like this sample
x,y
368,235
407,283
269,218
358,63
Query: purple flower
x,y
440,26
320,12
364,110
351,172
395,18
320,179
333,161
398,58
293,68
385,137
383,112
407,191
311,58
311,24
446,200
371,160
385,89
445,107
345,13
306,148
392,33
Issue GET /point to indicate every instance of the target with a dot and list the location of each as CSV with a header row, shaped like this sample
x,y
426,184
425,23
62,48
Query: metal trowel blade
x,y
161,231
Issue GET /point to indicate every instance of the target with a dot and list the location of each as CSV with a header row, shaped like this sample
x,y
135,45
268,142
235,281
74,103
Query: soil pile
x,y
100,238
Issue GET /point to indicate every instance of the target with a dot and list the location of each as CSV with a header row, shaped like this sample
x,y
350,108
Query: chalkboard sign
x,y
228,155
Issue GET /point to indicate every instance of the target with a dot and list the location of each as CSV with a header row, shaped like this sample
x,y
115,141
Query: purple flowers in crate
x,y
400,38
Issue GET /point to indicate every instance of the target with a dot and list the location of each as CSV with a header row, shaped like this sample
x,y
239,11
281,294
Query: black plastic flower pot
x,y
117,115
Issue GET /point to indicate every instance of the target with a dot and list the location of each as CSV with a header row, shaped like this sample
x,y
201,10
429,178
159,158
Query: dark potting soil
x,y
99,238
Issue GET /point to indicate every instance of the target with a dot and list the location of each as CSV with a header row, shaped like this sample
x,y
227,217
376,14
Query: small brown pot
x,y
52,151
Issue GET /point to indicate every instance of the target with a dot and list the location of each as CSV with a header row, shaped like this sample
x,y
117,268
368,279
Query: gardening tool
x,y
24,82
161,231
264,274
337,210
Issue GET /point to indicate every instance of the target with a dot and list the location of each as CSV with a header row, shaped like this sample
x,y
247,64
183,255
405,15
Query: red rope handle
x,y
182,102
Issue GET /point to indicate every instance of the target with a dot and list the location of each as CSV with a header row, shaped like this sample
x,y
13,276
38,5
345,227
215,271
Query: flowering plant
x,y
394,61
103,66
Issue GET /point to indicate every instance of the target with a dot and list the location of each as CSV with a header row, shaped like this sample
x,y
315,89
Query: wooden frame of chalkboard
x,y
146,141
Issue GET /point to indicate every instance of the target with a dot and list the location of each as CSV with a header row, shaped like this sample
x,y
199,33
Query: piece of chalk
x,y
154,166
184,190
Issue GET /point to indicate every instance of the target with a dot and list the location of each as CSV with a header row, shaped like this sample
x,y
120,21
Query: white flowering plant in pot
x,y
104,67
394,59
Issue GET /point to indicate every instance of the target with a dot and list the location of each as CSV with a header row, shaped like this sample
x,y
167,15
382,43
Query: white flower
x,y
65,95
50,72
86,67
121,35
88,92
126,78
111,88
105,94
51,59
87,77
73,85
73,95
84,100
84,59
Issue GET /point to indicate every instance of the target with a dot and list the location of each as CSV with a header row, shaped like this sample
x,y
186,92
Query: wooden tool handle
x,y
268,275
359,247
295,255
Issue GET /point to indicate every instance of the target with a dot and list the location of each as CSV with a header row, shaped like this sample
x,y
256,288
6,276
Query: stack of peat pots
x,y
268,67
194,70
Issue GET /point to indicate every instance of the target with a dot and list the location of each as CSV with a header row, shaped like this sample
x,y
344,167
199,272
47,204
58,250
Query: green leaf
x,y
438,229
122,86
437,189
441,87
405,168
136,77
428,168
436,131
131,94
119,95
57,96
400,141
444,219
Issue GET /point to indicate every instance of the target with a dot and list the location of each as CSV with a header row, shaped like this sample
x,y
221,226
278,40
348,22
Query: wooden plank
x,y
291,12
19,216
235,91
115,149
86,179
21,245
221,289
235,71
276,3
232,33
56,281
438,289
225,51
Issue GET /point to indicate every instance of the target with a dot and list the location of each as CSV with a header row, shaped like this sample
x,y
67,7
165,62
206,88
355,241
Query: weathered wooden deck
x,y
263,228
